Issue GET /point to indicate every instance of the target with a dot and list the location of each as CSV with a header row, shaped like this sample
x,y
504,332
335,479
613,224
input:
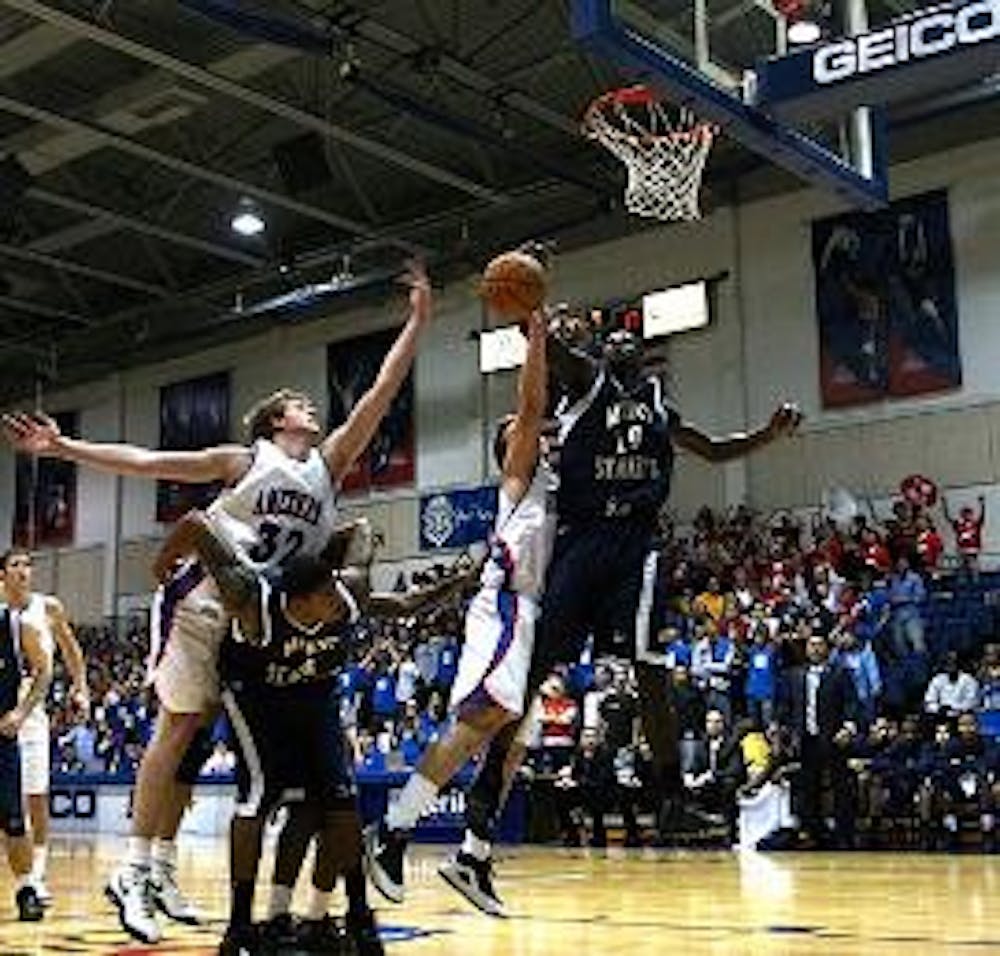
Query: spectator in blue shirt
x,y
761,687
676,649
712,664
383,693
906,597
860,662
447,663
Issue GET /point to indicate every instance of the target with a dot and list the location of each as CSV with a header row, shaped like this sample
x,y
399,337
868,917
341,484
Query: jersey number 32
x,y
276,540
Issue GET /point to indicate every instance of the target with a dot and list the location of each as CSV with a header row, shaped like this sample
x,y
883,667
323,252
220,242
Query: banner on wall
x,y
886,302
457,518
389,461
45,495
194,414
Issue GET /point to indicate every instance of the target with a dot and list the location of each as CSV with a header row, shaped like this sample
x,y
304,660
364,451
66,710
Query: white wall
x,y
761,348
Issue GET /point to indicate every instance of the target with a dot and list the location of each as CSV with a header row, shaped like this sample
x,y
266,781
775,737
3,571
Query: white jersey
x,y
522,539
35,614
281,507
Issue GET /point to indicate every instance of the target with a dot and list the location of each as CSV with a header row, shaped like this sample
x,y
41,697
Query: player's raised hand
x,y
786,419
416,279
36,434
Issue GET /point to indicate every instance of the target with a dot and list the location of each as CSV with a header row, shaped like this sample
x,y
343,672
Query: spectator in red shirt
x,y
968,528
928,544
874,553
559,720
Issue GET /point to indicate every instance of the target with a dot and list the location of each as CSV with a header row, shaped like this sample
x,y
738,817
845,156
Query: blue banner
x,y
456,519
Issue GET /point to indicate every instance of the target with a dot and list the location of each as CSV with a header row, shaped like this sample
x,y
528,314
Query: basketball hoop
x,y
664,150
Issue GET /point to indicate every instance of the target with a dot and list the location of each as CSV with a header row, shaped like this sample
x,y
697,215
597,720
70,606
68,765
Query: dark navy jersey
x,y
10,659
287,653
615,457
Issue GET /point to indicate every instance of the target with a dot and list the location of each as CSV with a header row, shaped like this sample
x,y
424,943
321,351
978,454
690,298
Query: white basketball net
x,y
663,153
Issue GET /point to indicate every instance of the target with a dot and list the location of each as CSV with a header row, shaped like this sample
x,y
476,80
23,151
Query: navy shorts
x,y
11,797
603,579
290,745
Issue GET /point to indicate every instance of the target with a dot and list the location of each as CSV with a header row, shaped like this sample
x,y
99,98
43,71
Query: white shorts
x,y
188,623
496,657
35,753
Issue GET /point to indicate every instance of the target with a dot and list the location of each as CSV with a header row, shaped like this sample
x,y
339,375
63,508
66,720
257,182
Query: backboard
x,y
817,110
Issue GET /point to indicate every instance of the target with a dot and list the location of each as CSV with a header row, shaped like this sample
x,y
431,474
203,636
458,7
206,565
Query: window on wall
x,y
45,496
193,414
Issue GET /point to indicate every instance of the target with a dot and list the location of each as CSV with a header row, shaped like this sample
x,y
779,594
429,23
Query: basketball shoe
x,y
385,851
130,891
474,880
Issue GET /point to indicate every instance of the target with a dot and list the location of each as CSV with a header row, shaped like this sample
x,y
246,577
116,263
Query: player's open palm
x,y
416,279
36,434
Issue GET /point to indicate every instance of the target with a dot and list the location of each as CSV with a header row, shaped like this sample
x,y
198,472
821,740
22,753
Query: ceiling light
x,y
804,32
247,220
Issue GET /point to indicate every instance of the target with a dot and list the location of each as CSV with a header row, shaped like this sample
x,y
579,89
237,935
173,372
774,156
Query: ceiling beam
x,y
43,311
143,227
27,254
184,167
251,97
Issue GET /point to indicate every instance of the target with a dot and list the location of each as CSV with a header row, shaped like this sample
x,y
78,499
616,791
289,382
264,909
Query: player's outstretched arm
x,y
72,654
524,432
237,583
344,444
38,434
394,604
40,670
785,420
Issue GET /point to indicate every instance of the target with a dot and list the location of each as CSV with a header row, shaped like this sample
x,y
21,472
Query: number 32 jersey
x,y
281,507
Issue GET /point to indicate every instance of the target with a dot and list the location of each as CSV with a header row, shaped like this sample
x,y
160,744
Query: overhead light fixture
x,y
247,220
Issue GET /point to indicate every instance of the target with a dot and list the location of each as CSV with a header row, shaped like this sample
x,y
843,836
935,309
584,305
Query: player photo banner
x,y
390,459
193,414
45,496
886,302
458,518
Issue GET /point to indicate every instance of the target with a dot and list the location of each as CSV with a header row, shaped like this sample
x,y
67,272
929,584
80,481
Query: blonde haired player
x,y
279,501
45,614
490,686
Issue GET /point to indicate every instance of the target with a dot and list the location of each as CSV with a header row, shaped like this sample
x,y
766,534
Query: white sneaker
x,y
42,891
168,897
130,891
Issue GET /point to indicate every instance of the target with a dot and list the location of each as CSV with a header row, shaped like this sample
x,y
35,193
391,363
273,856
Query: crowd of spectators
x,y
788,643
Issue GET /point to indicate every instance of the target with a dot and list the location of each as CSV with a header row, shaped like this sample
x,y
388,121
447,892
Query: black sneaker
x,y
240,941
29,906
362,930
474,880
278,932
321,936
385,851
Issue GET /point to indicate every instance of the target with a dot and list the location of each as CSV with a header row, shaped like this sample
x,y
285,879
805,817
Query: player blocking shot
x,y
489,689
616,438
21,652
278,502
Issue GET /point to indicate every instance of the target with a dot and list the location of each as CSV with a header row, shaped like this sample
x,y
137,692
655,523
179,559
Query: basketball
x,y
514,283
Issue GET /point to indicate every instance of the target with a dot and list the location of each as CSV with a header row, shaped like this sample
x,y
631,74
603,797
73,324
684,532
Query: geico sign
x,y
925,36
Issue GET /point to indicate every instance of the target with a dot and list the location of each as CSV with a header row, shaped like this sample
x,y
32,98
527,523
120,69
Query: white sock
x,y
20,882
39,861
281,900
319,904
404,813
475,847
140,851
165,852
986,821
951,822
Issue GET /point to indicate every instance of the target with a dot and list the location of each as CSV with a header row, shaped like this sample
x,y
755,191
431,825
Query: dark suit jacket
x,y
836,702
729,767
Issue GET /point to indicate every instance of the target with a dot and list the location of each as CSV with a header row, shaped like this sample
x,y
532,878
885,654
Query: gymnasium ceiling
x,y
446,127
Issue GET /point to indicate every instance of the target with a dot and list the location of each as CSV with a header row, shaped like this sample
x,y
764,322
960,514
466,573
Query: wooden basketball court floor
x,y
564,902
